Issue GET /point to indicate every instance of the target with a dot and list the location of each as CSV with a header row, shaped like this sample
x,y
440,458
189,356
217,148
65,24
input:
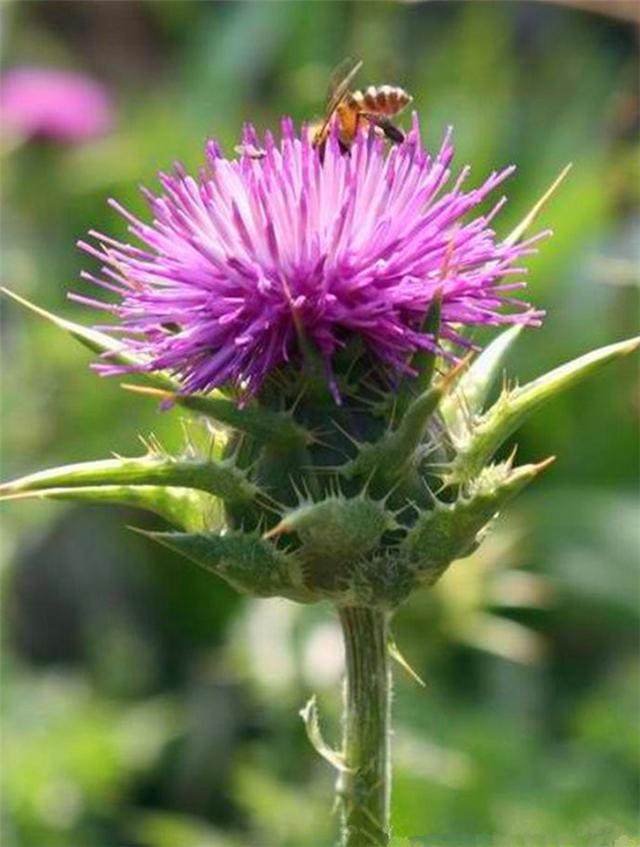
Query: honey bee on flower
x,y
353,111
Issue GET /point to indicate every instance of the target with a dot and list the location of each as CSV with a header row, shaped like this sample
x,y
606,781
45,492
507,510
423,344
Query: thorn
x,y
544,464
632,345
297,400
429,451
409,504
430,494
160,393
395,653
320,442
346,434
365,488
299,494
392,490
331,486
305,489
23,302
530,217
146,532
443,487
265,501
23,495
453,374
309,715
511,457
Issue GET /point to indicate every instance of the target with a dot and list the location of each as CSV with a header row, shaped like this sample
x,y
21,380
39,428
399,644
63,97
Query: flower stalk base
x,y
364,786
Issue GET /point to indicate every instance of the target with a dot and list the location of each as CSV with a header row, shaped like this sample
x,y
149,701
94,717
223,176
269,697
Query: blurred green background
x,y
147,705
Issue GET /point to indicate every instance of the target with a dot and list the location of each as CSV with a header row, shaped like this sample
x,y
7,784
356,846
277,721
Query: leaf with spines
x,y
110,349
185,508
265,425
388,457
467,399
250,564
337,529
220,478
450,531
515,405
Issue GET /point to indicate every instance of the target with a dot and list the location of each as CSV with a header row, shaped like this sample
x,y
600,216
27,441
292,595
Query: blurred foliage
x,y
147,705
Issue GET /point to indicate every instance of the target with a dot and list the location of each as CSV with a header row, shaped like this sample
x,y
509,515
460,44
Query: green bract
x,y
359,503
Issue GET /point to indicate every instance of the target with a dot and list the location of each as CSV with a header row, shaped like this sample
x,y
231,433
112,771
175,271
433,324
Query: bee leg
x,y
390,130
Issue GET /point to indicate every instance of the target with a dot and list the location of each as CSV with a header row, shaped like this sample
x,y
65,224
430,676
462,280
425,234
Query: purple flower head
x,y
54,104
255,250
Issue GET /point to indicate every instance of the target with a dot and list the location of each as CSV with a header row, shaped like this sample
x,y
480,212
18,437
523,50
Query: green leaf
x,y
96,341
450,531
249,564
220,478
263,424
515,405
468,397
182,507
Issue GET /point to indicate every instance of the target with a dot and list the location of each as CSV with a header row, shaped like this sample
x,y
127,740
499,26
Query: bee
x,y
352,110
355,110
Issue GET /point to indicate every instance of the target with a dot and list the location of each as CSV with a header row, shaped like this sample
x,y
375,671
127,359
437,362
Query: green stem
x,y
365,786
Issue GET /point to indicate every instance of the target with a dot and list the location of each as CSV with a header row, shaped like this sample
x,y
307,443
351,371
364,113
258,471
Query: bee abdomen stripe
x,y
384,100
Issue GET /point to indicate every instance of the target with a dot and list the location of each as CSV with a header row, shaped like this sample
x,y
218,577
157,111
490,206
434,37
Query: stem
x,y
364,788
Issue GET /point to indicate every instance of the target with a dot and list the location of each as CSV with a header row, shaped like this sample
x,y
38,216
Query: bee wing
x,y
338,86
341,77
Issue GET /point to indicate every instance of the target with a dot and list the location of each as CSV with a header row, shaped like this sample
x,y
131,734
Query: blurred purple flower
x,y
54,104
240,259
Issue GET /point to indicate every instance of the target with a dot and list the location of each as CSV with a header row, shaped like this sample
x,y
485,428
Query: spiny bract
x,y
325,297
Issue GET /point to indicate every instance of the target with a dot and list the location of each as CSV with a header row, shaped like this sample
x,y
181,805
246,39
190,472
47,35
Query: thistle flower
x,y
290,257
58,105
254,251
